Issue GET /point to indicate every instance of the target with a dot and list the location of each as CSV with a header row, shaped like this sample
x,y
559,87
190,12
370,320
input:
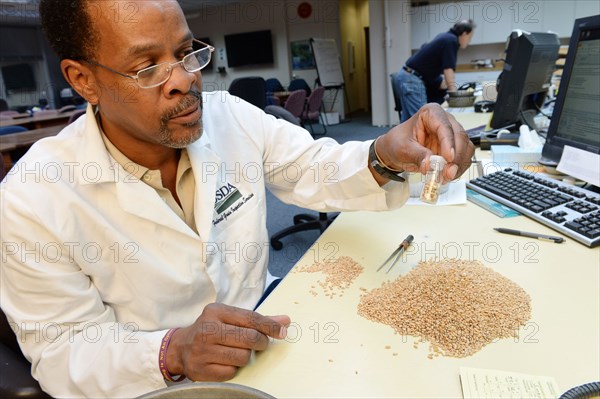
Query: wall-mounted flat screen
x,y
250,48
18,77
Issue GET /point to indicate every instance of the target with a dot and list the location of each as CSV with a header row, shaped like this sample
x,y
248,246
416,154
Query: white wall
x,y
278,16
390,47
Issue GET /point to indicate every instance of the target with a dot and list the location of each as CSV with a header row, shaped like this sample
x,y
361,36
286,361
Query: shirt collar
x,y
151,177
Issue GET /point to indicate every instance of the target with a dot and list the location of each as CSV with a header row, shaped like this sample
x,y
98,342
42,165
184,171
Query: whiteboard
x,y
329,67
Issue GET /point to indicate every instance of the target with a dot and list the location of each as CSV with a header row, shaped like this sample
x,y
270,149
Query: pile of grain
x,y
458,306
339,274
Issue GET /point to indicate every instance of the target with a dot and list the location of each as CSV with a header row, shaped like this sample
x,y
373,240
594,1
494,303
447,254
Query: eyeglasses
x,y
156,75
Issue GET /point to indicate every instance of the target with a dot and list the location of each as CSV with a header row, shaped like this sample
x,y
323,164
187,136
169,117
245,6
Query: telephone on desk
x,y
486,138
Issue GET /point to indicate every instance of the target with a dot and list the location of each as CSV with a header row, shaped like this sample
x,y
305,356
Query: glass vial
x,y
433,180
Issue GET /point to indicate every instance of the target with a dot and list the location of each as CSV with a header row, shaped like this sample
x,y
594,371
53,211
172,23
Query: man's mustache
x,y
190,99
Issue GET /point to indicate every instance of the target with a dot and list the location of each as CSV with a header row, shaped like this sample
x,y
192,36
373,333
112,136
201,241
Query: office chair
x,y
302,221
16,381
12,129
76,115
299,84
252,89
66,108
295,104
312,112
3,105
273,85
281,113
394,80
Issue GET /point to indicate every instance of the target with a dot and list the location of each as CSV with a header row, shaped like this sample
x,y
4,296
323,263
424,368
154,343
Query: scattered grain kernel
x,y
339,273
457,306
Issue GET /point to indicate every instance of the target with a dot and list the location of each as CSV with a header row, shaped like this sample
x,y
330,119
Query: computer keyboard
x,y
573,211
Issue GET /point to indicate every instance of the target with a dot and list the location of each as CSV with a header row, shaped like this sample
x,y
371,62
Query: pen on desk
x,y
537,236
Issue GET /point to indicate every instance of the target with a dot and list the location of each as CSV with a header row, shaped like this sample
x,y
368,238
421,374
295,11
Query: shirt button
x,y
147,177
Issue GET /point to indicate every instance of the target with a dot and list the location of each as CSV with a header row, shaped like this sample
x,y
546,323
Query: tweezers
x,y
397,253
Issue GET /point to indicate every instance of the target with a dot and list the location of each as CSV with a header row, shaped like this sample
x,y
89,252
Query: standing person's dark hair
x,y
69,28
464,26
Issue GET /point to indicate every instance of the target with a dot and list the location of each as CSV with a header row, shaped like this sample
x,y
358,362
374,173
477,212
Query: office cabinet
x,y
528,15
555,14
496,19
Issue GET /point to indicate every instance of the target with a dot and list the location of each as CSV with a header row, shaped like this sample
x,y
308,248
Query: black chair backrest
x,y
273,85
299,84
251,89
394,80
12,129
3,105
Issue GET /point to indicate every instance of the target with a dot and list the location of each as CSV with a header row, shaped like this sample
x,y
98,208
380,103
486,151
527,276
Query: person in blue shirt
x,y
429,73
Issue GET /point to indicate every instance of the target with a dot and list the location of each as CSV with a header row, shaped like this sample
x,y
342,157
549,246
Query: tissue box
x,y
515,157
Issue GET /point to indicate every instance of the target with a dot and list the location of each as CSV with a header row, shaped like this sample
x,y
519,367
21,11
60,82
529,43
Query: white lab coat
x,y
96,267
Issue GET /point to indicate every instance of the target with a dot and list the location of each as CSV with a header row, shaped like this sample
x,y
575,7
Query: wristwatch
x,y
380,167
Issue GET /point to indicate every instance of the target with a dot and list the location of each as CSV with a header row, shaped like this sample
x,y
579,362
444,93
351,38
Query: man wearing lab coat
x,y
134,242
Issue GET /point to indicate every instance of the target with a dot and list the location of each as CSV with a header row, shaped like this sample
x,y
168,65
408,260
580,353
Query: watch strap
x,y
380,167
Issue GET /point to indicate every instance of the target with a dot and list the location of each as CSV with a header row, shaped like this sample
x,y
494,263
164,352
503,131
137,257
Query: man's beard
x,y
166,136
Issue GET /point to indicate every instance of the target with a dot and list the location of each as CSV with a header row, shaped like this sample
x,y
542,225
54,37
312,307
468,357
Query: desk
x,y
37,122
9,142
331,351
13,141
282,96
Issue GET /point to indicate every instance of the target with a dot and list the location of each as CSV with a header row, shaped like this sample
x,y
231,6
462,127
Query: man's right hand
x,y
220,341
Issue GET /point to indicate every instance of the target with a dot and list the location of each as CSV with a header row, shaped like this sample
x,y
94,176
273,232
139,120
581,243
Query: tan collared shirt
x,y
185,184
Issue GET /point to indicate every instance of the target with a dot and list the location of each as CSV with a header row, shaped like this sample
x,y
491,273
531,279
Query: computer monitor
x,y
524,81
576,117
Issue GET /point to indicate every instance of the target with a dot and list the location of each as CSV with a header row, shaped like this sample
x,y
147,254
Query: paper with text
x,y
456,194
580,164
482,383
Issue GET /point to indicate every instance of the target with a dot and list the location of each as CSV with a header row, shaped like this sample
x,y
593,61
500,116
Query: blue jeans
x,y
413,94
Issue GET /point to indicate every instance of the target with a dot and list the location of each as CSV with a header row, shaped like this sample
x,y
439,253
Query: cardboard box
x,y
331,118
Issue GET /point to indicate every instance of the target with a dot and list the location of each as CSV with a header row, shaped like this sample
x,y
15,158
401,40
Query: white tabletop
x,y
331,351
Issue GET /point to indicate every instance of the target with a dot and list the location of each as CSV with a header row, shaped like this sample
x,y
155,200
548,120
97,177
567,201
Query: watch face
x,y
304,10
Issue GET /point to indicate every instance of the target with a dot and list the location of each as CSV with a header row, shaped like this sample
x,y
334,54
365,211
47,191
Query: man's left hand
x,y
431,131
